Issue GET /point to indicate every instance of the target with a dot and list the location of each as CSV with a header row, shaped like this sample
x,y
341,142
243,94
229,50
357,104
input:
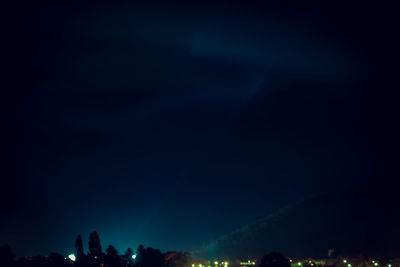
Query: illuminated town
x,y
150,257
339,262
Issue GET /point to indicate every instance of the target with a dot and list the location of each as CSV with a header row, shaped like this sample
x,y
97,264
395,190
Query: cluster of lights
x,y
249,262
72,257
222,263
216,263
308,263
348,264
345,261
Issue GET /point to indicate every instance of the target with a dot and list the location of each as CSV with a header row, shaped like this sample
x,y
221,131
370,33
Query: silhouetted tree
x,y
79,247
129,253
140,253
177,259
111,251
149,257
37,261
56,260
6,256
112,258
95,245
128,257
274,259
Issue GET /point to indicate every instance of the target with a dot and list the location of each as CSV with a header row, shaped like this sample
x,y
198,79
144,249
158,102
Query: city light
x,y
344,261
72,257
249,262
216,262
299,263
375,263
134,256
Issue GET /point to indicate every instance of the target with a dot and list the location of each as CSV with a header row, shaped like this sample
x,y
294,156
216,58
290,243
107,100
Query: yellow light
x,y
72,257
344,261
216,262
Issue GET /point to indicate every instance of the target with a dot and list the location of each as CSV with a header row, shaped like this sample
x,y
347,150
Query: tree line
x,y
143,257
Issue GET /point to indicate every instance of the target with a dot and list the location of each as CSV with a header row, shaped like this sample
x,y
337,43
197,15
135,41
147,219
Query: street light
x,y
72,257
134,256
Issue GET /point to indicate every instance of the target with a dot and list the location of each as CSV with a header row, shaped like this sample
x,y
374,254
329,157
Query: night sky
x,y
173,125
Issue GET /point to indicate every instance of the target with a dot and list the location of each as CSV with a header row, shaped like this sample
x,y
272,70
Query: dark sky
x,y
173,125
